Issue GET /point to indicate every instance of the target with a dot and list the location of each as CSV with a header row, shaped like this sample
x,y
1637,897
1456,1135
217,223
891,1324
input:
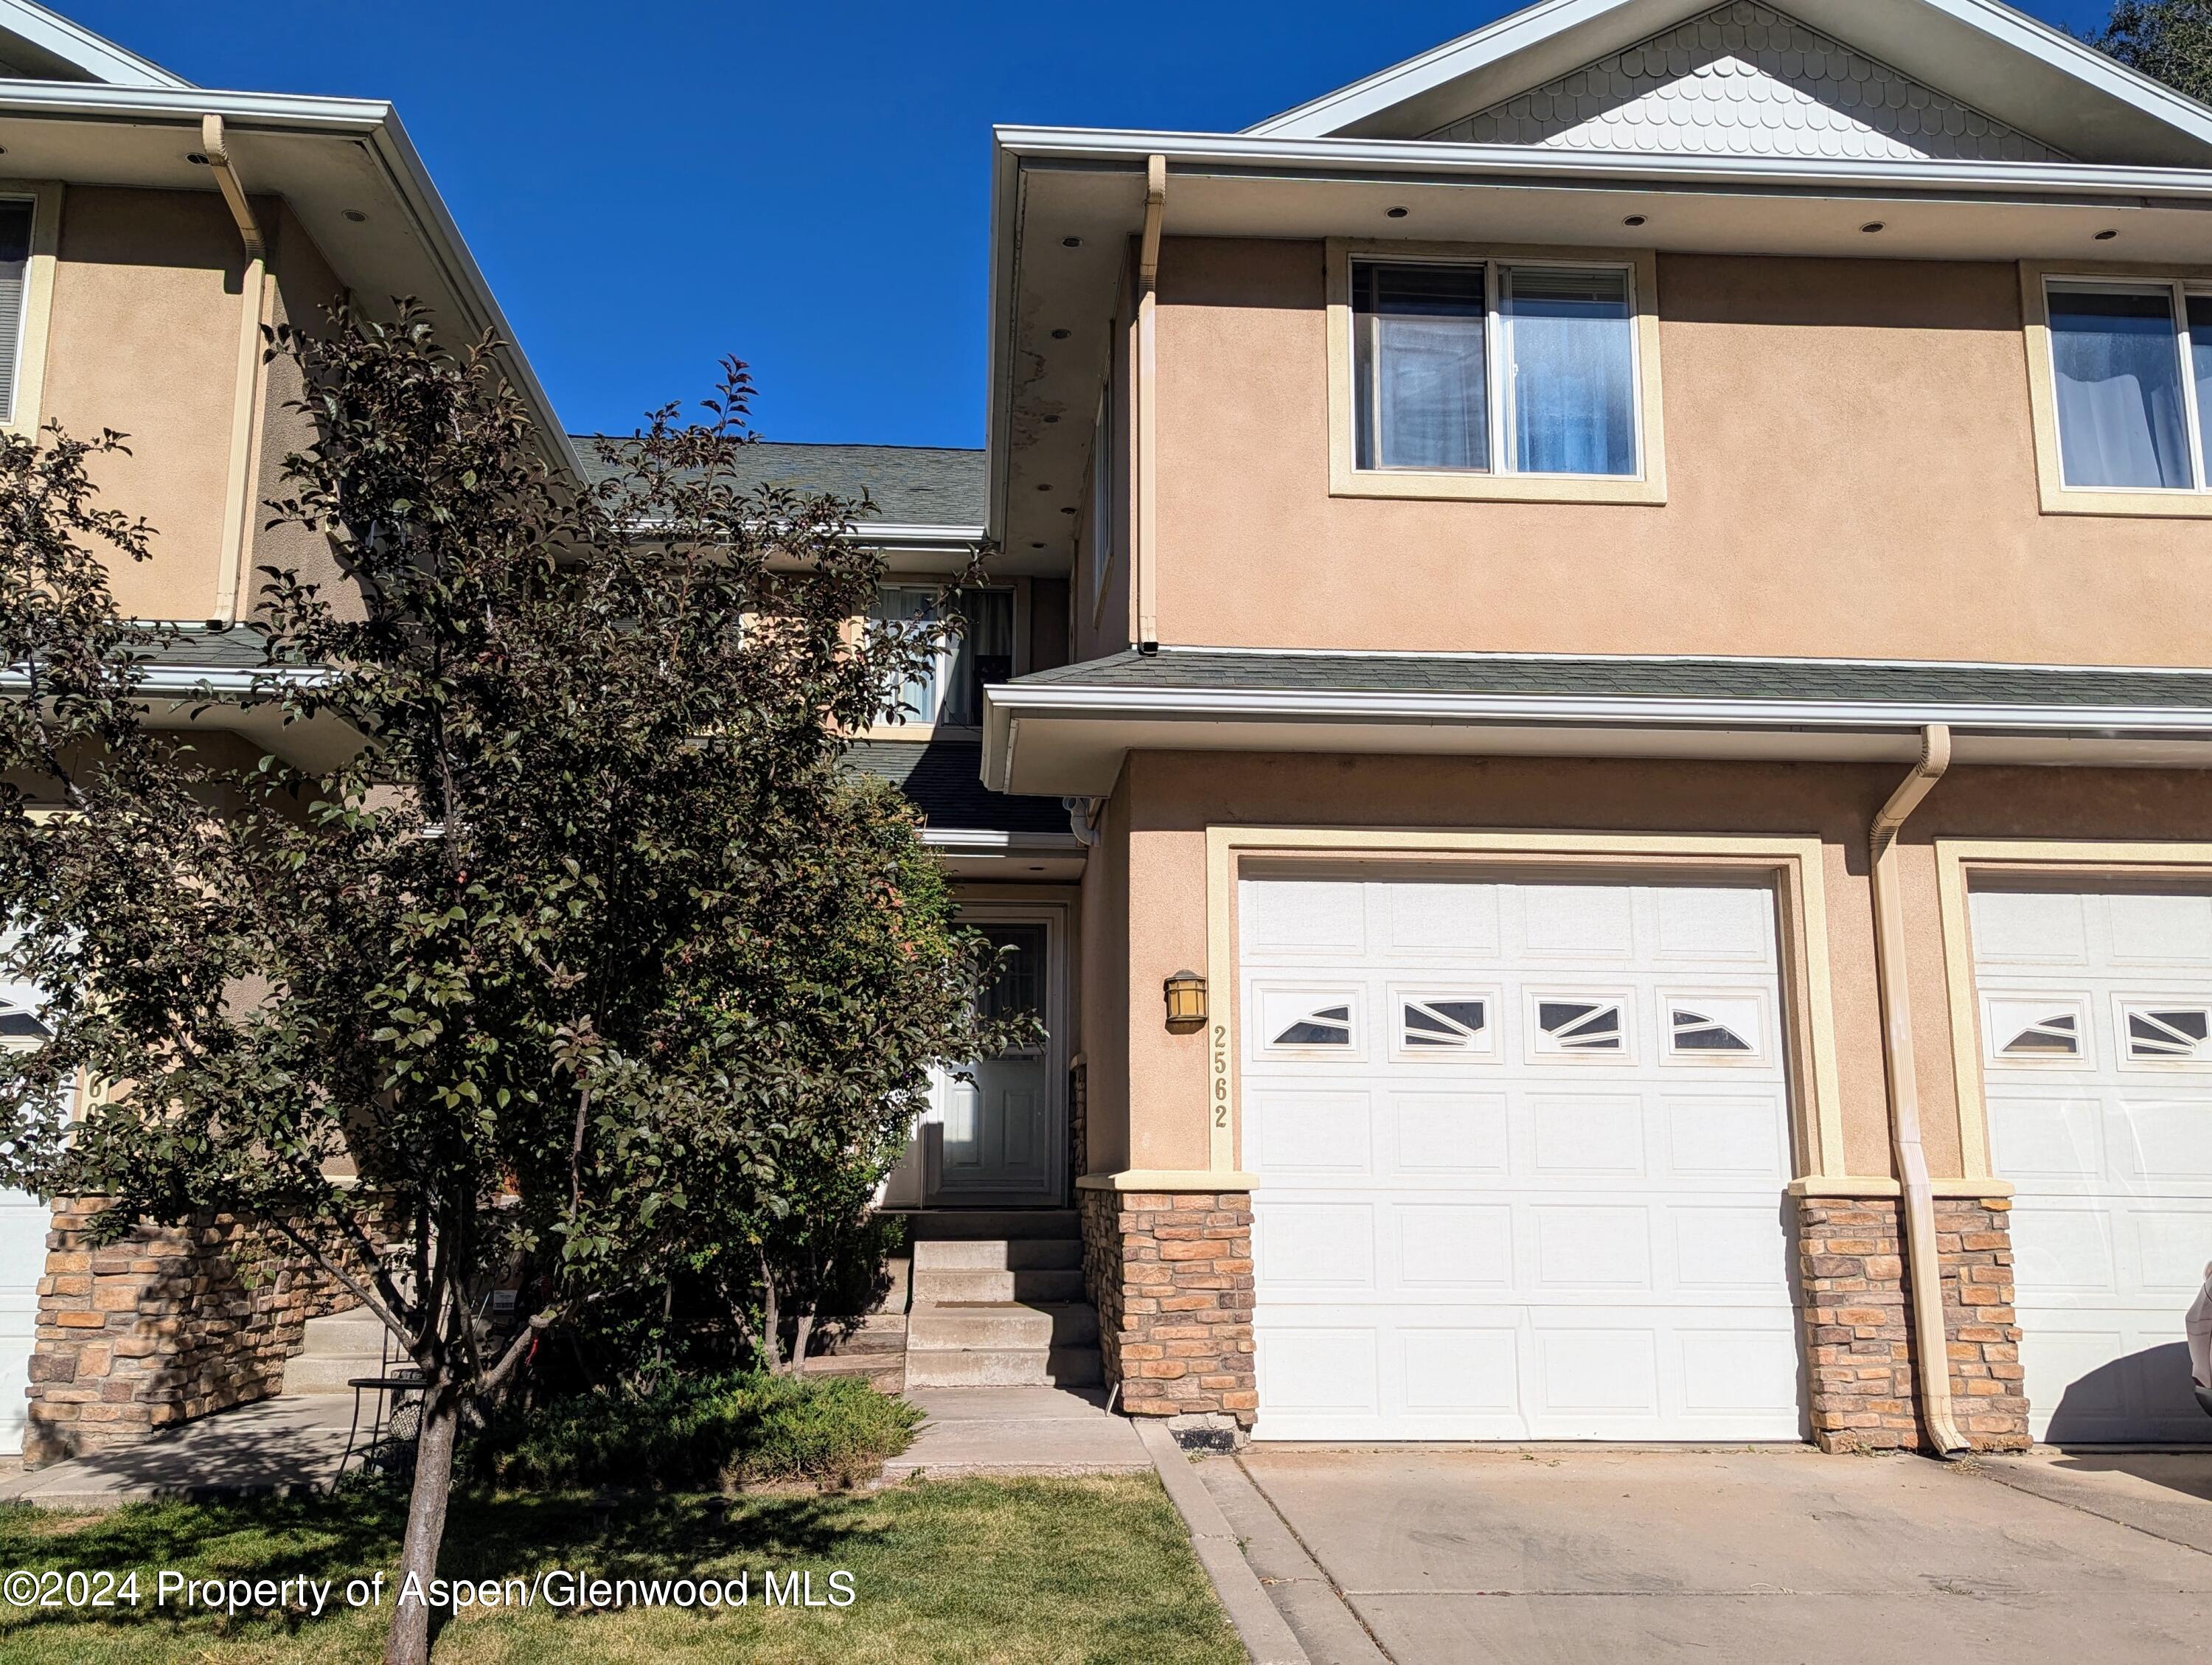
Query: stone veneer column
x,y
1171,1273
169,1324
1858,1332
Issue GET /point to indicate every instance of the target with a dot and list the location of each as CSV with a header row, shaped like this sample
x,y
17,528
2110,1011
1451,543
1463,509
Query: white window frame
x,y
25,406
1501,482
923,725
2176,502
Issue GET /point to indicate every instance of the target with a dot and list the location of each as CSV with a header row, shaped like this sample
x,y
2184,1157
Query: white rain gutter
x,y
1449,162
249,384
1923,1269
1209,705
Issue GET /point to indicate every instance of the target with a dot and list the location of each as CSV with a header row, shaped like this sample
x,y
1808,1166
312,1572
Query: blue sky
x,y
651,185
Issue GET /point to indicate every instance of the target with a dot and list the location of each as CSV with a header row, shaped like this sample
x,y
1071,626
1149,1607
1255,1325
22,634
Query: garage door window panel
x,y
2049,1031
1307,1021
1716,1028
1580,1026
2164,1034
1454,1025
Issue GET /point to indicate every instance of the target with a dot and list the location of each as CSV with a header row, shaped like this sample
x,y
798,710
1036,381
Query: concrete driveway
x,y
1416,1555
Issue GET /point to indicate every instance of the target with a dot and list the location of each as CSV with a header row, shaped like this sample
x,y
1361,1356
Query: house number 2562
x,y
1221,1075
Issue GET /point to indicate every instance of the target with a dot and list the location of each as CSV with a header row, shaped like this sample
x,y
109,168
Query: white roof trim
x,y
1448,161
101,58
2001,28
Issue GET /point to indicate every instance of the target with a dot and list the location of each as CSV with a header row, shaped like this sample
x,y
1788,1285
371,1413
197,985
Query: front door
x,y
994,1129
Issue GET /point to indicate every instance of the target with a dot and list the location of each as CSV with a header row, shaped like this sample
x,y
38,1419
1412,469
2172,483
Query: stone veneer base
x,y
1858,1343
1171,1273
172,1323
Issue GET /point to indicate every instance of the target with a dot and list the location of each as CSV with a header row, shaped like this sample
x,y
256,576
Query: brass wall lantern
x,y
1186,999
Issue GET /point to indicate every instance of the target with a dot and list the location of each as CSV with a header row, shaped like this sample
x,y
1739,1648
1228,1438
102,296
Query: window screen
x,y
14,270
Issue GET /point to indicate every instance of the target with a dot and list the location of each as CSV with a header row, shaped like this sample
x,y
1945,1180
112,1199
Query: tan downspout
x,y
1147,367
1923,1266
259,289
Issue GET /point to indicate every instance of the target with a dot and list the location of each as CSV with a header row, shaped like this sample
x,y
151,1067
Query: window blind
x,y
15,278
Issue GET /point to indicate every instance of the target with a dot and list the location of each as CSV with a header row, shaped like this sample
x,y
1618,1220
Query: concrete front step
x,y
878,1333
887,1370
998,1255
348,1333
1044,1286
937,1225
1003,1367
1002,1324
328,1373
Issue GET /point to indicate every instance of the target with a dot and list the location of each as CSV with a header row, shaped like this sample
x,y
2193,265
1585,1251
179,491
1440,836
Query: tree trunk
x,y
409,1642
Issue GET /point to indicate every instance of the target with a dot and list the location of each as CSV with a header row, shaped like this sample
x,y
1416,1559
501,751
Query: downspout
x,y
1923,1265
1143,379
258,290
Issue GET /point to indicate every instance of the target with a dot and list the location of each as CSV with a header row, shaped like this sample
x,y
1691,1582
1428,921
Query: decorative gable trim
x,y
1744,80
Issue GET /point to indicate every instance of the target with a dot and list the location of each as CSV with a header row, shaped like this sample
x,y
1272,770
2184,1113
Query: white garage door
x,y
23,1223
2095,1008
1520,1151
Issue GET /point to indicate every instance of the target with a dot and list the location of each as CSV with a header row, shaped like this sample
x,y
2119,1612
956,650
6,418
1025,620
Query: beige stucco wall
x,y
144,339
1166,800
1848,457
305,287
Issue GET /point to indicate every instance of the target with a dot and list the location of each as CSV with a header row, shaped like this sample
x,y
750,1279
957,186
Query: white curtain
x,y
1422,368
1569,352
2121,416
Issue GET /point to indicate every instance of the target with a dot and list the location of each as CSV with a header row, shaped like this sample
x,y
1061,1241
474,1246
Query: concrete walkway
x,y
1564,1555
280,1445
1018,1430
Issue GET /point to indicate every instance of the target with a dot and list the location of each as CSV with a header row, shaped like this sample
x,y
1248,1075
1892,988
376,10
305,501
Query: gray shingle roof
x,y
943,778
1610,677
912,485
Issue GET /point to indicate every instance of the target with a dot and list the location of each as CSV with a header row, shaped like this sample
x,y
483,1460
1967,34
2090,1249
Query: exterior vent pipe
x,y
1923,1268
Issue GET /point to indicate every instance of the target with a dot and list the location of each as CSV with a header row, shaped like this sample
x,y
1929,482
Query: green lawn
x,y
1089,1570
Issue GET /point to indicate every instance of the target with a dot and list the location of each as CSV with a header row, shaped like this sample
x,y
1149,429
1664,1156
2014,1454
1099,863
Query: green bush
x,y
704,1434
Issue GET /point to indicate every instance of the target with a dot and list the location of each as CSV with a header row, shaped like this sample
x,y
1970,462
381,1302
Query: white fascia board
x,y
50,32
999,311
1202,705
983,840
372,122
1371,95
1398,159
2000,26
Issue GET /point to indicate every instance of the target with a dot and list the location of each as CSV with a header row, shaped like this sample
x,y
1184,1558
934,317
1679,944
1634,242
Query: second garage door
x,y
1521,1151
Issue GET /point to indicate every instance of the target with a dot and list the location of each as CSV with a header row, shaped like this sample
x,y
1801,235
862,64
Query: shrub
x,y
702,1434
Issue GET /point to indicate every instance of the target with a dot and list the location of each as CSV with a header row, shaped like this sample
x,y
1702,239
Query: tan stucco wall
x,y
1166,801
144,339
1103,984
1849,456
305,287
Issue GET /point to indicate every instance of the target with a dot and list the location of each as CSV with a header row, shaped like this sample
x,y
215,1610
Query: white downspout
x,y
1144,379
259,289
1923,1266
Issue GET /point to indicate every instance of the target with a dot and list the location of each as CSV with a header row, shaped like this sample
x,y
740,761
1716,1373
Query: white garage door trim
x,y
1522,1149
2088,999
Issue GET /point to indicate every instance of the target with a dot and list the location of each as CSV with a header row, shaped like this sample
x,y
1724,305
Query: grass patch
x,y
1096,1570
688,1436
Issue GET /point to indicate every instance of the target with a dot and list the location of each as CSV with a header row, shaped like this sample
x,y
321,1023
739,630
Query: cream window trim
x,y
1344,480
28,408
1957,862
1795,864
2053,493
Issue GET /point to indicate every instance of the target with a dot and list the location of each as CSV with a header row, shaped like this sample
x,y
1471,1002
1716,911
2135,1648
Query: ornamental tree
x,y
589,969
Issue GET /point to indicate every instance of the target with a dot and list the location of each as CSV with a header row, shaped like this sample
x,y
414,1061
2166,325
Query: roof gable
x,y
38,44
1986,58
1744,80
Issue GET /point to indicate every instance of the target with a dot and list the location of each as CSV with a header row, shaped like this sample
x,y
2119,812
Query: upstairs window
x,y
2131,368
1495,368
14,295
948,691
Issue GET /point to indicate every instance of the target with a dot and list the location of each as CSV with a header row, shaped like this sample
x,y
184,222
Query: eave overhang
x,y
1066,202
324,156
1072,741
